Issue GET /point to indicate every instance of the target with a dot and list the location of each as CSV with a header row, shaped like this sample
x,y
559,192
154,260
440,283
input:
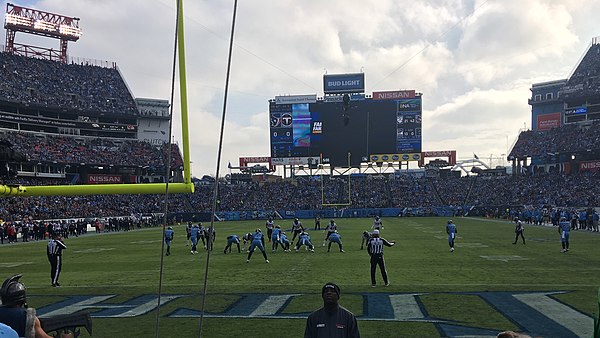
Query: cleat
x,y
327,250
342,251
267,261
451,249
192,252
373,285
387,284
247,261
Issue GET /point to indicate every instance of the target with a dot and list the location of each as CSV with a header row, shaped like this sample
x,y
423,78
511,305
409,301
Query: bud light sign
x,y
344,83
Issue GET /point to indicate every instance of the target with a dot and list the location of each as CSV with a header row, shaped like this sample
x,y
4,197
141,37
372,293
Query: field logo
x,y
537,313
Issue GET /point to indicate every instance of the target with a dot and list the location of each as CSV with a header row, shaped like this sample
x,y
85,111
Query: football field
x,y
485,286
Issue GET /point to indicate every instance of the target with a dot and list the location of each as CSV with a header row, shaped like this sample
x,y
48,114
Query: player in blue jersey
x,y
275,237
168,238
305,240
233,239
451,231
365,239
194,235
284,241
335,238
258,240
564,229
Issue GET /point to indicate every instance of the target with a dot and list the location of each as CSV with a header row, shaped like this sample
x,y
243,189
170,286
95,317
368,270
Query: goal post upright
x,y
349,203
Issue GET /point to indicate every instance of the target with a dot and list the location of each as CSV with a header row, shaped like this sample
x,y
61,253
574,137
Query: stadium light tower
x,y
33,21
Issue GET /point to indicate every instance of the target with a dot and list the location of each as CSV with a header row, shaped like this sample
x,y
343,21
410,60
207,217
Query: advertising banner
x,y
548,121
104,179
589,166
395,157
394,95
344,83
289,99
38,120
295,161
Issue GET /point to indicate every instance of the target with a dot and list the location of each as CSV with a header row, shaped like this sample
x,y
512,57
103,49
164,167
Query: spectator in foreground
x,y
332,320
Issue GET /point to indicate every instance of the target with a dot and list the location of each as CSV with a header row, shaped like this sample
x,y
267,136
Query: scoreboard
x,y
346,133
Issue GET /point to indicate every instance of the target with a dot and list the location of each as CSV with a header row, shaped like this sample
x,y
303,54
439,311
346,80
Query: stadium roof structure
x,y
469,165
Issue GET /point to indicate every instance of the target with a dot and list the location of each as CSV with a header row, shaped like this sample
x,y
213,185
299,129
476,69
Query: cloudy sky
x,y
474,61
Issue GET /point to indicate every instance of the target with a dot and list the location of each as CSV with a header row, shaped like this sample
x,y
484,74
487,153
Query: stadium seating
x,y
37,82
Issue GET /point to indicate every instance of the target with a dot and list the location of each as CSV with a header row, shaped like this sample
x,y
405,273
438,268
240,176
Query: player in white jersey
x,y
377,224
330,228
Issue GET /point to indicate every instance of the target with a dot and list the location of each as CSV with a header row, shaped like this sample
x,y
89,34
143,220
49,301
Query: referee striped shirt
x,y
55,247
375,246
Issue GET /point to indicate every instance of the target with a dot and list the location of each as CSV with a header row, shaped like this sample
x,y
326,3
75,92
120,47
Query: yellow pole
x,y
98,189
183,96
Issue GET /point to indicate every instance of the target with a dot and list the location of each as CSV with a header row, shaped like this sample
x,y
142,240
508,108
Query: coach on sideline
x,y
375,250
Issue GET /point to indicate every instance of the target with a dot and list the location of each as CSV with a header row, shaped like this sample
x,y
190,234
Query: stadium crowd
x,y
568,138
304,193
92,151
32,82
585,81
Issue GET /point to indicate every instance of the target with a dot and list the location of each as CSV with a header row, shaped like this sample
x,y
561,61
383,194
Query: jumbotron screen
x,y
330,131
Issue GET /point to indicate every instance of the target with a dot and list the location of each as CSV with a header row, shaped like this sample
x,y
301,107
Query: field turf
x,y
127,265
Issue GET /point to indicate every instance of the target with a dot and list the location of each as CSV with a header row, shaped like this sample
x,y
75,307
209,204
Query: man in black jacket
x,y
332,320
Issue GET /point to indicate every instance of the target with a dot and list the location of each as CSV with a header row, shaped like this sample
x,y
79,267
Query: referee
x,y
375,250
54,251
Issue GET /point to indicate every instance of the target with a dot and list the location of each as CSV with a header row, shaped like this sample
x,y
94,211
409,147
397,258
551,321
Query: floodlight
x,y
44,25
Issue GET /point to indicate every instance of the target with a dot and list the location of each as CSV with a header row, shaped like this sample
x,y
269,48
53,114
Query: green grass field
x,y
432,291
